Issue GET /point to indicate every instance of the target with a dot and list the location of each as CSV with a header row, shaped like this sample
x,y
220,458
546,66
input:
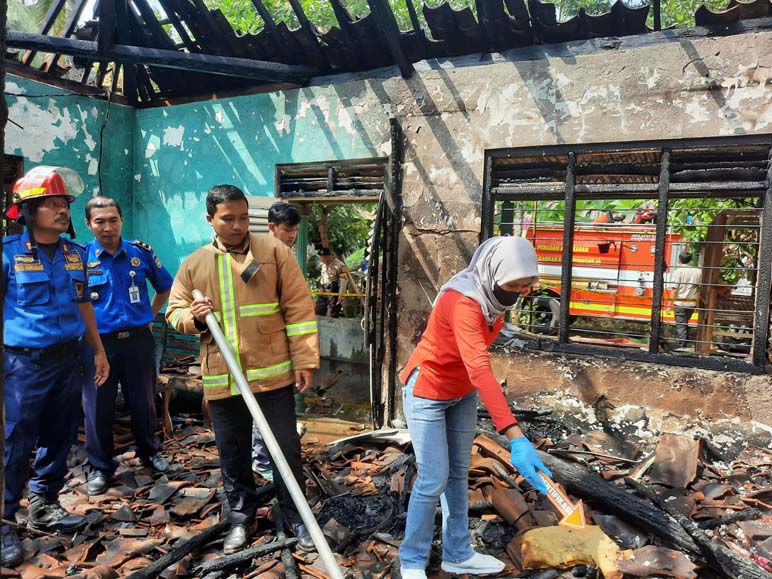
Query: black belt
x,y
53,352
125,334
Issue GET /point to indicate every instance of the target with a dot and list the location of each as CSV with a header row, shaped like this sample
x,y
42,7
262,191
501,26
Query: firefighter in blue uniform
x,y
118,274
46,312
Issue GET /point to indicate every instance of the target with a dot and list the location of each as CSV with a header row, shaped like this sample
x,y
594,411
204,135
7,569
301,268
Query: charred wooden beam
x,y
388,27
106,35
124,34
659,265
569,221
168,6
48,22
133,55
72,23
270,24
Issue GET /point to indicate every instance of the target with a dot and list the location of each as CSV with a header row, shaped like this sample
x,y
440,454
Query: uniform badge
x,y
135,262
79,287
144,246
94,296
93,264
72,257
97,251
158,262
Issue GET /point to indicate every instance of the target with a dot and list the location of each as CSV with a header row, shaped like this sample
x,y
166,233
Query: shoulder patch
x,y
144,246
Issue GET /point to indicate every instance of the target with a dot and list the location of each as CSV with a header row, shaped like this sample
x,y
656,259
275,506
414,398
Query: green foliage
x,y
21,18
347,227
244,18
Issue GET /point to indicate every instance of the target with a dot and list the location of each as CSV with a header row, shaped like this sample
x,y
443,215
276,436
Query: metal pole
x,y
325,553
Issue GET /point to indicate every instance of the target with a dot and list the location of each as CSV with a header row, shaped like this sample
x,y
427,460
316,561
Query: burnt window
x,y
652,251
351,180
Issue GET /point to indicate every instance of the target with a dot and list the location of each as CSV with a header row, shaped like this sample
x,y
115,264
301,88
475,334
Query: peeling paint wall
x,y
667,86
50,126
183,150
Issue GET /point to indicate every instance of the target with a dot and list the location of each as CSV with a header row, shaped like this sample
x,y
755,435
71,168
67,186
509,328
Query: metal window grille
x,y
611,225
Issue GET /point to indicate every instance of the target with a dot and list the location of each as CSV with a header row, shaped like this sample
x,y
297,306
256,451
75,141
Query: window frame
x,y
569,192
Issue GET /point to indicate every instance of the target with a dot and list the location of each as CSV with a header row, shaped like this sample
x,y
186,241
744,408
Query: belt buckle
x,y
123,335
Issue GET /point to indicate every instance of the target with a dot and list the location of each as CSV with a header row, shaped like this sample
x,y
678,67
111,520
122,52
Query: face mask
x,y
504,297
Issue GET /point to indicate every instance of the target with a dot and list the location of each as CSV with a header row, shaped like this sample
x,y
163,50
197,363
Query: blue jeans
x,y
442,432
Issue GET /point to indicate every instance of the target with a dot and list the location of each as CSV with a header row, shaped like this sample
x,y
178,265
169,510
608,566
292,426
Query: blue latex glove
x,y
525,459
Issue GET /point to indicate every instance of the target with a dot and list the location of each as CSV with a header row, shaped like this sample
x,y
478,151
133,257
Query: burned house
x,y
511,123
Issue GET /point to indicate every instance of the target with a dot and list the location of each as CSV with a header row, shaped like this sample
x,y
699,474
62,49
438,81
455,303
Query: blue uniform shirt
x,y
117,284
40,295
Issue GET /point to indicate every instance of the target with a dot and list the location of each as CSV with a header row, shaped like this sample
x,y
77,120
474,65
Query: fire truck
x,y
613,273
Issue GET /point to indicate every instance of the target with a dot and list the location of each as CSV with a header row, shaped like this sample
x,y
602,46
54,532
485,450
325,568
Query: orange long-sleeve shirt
x,y
453,357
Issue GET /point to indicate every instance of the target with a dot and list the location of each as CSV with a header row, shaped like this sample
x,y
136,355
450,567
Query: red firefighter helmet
x,y
44,181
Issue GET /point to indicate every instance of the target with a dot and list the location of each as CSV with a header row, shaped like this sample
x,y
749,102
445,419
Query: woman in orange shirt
x,y
443,377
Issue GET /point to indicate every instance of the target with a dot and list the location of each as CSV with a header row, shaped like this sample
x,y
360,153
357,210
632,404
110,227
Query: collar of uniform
x,y
243,248
26,241
99,249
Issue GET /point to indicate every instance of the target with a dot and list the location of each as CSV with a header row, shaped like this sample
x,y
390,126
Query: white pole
x,y
273,447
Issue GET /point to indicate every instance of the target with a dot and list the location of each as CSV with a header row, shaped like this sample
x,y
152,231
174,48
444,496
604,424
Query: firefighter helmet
x,y
44,181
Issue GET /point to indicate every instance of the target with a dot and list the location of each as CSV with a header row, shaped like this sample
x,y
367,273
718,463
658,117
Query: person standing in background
x,y
118,274
686,281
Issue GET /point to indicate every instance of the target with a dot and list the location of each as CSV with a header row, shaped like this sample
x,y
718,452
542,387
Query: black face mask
x,y
504,297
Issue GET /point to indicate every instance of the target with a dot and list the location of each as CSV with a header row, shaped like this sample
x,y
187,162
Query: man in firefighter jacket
x,y
46,312
256,290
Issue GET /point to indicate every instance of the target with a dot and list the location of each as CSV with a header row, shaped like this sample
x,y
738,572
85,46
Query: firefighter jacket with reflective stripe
x,y
264,308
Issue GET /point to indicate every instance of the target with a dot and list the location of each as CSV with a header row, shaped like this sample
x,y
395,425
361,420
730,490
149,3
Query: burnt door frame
x,y
381,302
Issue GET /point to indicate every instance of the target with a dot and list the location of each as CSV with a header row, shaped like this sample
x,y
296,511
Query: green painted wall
x,y
181,151
159,163
50,126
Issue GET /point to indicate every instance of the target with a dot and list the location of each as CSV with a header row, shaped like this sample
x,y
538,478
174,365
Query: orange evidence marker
x,y
573,515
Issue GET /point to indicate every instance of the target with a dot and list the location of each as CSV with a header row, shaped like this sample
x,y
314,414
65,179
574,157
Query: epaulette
x,y
144,246
10,238
76,244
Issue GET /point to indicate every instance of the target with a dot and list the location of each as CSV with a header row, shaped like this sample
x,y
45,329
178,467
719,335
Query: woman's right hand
x,y
526,460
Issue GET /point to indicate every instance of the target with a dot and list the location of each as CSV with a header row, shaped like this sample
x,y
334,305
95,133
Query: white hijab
x,y
497,261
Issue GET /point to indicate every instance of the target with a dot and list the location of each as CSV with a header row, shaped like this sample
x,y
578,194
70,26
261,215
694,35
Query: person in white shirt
x,y
686,281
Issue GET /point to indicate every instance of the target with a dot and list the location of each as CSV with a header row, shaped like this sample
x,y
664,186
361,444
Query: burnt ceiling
x,y
162,53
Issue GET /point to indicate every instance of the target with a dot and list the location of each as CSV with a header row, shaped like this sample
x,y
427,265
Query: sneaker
x,y
412,573
11,553
477,564
46,514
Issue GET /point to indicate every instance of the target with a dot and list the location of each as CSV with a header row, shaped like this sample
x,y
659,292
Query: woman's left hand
x,y
526,460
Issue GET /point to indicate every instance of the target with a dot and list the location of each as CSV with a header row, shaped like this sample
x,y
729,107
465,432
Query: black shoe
x,y
236,539
157,463
98,482
46,514
11,553
305,542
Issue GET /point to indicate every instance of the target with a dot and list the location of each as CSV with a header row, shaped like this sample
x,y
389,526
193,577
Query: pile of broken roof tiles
x,y
359,490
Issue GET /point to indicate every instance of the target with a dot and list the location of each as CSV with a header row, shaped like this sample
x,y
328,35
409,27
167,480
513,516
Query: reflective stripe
x,y
302,328
228,302
259,309
175,317
269,371
30,192
216,381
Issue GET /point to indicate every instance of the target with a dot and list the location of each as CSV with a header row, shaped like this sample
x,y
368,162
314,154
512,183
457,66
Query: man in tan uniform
x,y
333,280
686,281
256,289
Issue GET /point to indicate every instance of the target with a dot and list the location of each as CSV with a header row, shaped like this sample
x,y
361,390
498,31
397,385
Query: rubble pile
x,y
692,504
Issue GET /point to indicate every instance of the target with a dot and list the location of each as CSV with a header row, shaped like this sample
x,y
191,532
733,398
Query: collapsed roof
x,y
163,47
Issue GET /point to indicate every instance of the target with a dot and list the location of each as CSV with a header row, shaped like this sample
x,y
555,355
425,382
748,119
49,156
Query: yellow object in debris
x,y
563,548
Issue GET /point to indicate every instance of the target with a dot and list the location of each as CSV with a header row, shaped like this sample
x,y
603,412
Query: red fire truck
x,y
612,273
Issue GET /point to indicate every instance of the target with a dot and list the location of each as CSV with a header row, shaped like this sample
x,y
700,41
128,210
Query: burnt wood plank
x,y
387,24
132,55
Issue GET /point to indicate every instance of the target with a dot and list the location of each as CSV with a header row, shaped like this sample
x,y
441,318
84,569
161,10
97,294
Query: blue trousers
x,y
132,365
42,409
442,432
